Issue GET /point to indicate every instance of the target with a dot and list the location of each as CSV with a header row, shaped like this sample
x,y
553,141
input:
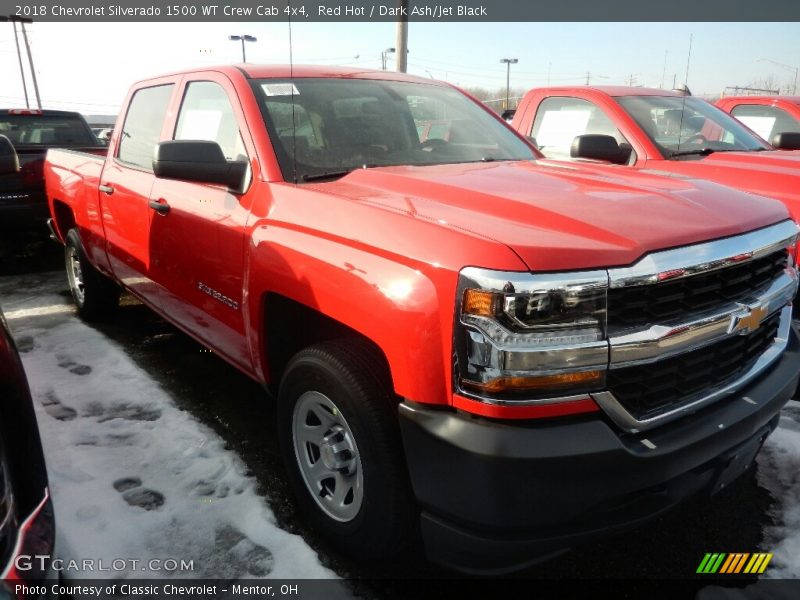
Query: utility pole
x,y
588,77
508,62
401,37
22,21
664,70
21,69
549,66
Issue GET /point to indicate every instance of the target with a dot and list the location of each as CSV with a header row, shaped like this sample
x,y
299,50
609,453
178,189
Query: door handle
x,y
160,206
106,189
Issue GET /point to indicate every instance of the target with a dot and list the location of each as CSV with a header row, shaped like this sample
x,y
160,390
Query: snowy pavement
x,y
138,470
133,476
779,472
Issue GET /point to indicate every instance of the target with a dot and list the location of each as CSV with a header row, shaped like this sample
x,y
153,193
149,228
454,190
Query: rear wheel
x,y
95,295
341,445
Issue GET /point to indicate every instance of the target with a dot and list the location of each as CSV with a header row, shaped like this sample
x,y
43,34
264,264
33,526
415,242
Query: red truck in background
x,y
768,116
501,356
658,130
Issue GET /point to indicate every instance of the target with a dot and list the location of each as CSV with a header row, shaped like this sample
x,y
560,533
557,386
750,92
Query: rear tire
x,y
340,442
95,295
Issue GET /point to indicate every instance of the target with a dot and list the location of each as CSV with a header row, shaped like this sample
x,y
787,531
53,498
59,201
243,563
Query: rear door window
x,y
142,127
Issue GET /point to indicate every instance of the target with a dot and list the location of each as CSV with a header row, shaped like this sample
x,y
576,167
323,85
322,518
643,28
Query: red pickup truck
x,y
658,130
503,356
768,116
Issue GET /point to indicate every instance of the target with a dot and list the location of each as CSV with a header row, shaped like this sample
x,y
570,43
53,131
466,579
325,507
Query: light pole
x,y
508,62
385,55
789,67
243,39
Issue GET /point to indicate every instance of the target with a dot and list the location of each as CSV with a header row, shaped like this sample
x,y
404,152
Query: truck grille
x,y
644,305
646,390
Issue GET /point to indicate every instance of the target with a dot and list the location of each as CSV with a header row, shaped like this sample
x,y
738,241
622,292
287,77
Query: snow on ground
x,y
132,476
779,472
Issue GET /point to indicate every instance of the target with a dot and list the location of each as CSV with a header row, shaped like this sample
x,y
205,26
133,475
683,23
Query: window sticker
x,y
280,89
200,125
560,127
761,125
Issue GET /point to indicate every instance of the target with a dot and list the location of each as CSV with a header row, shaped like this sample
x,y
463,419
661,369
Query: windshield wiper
x,y
699,152
336,174
326,175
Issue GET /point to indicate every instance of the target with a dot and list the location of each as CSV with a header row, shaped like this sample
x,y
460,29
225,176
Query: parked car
x,y
31,133
768,116
27,527
657,130
506,357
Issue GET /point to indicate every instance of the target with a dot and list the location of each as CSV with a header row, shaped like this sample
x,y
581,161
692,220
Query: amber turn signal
x,y
481,303
522,384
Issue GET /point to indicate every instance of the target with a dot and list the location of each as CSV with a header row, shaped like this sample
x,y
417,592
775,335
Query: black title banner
x,y
413,10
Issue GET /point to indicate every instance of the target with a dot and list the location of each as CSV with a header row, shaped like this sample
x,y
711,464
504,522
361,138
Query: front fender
x,y
396,306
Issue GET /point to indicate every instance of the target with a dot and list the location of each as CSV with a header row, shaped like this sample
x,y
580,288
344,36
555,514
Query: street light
x,y
508,62
385,55
789,67
243,39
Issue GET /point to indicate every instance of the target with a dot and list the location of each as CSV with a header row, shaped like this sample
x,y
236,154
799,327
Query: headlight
x,y
521,336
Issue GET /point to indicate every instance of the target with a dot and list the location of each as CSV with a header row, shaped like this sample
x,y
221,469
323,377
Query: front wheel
x,y
95,295
340,442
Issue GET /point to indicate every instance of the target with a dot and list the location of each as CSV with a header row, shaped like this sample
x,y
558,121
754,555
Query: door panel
x,y
198,246
124,190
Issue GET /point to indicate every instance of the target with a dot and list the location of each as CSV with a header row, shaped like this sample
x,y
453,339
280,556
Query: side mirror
x,y
532,140
197,160
597,147
9,162
788,140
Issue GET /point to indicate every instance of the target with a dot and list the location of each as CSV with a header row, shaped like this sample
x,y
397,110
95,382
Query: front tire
x,y
95,295
340,442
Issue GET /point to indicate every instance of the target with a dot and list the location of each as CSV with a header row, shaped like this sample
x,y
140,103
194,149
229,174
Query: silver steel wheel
x,y
75,274
328,457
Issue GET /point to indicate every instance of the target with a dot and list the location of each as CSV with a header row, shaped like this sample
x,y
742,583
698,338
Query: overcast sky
x,y
89,66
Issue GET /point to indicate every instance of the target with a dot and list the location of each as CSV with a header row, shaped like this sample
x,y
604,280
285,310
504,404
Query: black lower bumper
x,y
497,496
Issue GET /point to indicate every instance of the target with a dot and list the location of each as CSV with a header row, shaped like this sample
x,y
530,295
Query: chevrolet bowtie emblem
x,y
745,323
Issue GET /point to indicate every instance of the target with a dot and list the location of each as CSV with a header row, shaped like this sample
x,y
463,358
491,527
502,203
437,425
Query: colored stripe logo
x,y
734,563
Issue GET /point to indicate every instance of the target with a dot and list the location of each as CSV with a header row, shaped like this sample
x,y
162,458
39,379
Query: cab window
x,y
766,121
560,120
142,127
207,114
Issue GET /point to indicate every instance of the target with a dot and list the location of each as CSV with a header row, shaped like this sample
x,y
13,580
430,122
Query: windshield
x,y
49,130
333,126
684,126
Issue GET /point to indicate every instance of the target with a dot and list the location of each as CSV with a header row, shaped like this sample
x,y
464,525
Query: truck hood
x,y
563,216
775,173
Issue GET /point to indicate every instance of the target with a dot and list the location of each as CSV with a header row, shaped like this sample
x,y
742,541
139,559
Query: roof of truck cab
x,y
256,71
791,99
614,90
